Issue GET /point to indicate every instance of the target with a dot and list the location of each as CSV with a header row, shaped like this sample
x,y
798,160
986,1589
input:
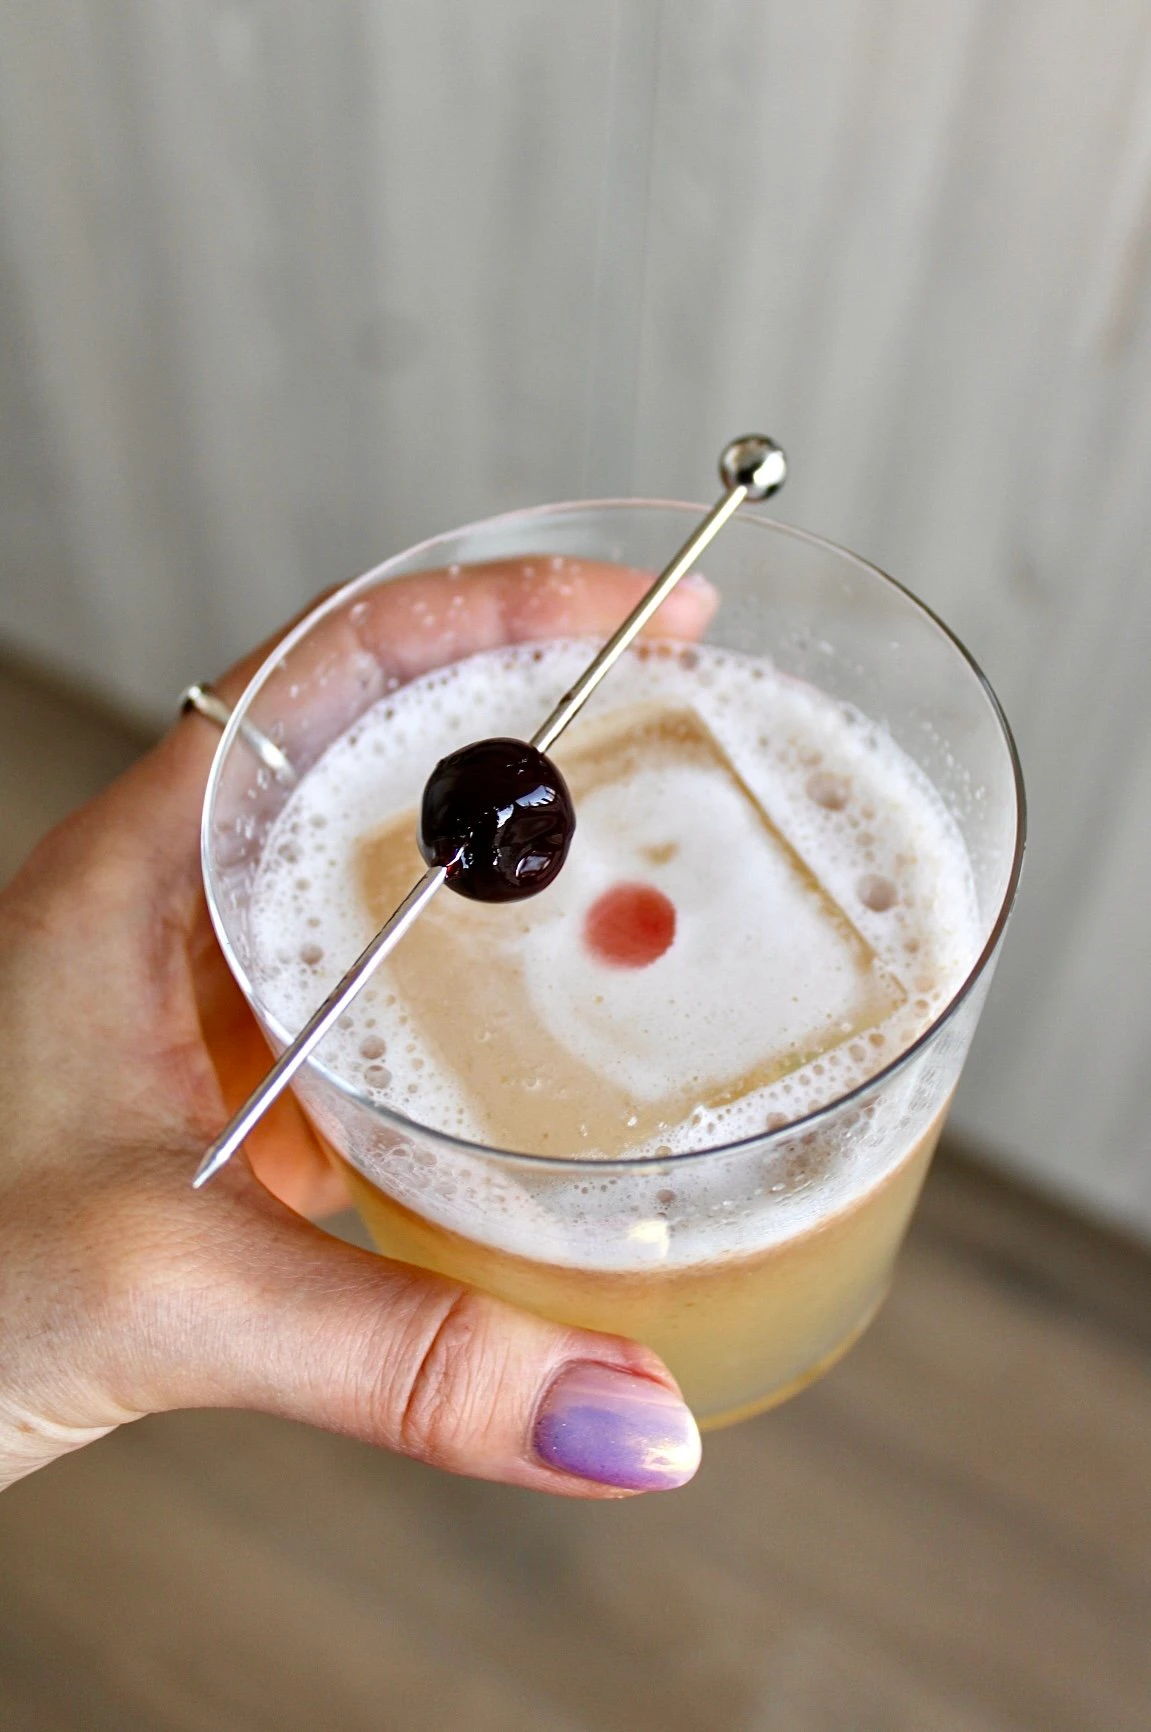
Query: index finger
x,y
394,633
413,624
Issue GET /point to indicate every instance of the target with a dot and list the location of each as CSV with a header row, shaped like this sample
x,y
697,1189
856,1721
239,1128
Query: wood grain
x,y
55,752
286,288
951,1533
872,226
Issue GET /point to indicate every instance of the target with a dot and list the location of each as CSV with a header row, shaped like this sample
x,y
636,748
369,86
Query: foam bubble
x,y
859,812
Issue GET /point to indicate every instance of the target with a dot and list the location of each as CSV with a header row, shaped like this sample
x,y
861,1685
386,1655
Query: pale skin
x,y
124,1043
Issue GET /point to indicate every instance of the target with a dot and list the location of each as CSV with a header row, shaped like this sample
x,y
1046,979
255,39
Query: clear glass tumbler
x,y
713,1258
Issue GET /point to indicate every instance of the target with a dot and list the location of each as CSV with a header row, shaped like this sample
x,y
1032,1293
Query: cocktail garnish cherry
x,y
498,816
497,819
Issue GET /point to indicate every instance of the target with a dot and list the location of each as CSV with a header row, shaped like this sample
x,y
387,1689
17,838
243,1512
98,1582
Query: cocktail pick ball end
x,y
756,462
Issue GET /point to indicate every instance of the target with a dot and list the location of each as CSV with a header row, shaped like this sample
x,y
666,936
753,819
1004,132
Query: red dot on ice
x,y
630,925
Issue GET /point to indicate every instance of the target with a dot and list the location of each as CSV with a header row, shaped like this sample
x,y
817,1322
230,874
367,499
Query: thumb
x,y
284,1319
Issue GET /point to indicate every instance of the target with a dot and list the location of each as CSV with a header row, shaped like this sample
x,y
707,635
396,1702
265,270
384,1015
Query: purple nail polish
x,y
607,1425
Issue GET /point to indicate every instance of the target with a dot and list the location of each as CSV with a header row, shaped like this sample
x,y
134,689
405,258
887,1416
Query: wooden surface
x,y
286,287
55,752
951,1533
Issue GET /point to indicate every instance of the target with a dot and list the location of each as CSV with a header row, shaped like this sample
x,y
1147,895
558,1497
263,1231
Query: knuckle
x,y
455,1367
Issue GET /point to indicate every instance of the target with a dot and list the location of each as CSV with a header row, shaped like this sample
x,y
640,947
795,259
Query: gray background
x,y
286,286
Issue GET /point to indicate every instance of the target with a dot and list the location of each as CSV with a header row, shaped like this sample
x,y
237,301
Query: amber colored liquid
x,y
741,1333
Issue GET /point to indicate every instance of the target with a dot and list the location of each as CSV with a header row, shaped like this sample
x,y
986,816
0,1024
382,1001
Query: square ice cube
x,y
562,1051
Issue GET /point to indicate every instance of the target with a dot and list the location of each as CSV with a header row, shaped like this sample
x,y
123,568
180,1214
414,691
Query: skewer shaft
x,y
574,700
752,468
417,899
318,1025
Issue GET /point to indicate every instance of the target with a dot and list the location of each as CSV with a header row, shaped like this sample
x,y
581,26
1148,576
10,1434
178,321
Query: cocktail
x,y
689,1093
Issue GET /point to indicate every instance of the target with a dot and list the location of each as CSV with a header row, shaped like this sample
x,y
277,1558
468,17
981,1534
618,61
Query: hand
x,y
125,1046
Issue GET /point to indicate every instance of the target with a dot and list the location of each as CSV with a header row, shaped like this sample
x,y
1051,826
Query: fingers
x,y
149,819
417,623
281,1149
280,1318
394,634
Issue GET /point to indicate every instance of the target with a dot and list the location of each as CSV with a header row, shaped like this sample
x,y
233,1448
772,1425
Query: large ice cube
x,y
561,1051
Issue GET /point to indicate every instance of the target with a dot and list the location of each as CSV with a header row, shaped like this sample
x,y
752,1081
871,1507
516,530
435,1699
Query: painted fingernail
x,y
609,1426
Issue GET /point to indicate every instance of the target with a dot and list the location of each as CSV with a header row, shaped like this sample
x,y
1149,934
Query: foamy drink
x,y
765,902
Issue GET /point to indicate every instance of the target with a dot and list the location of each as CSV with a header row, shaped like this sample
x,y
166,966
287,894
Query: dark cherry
x,y
499,816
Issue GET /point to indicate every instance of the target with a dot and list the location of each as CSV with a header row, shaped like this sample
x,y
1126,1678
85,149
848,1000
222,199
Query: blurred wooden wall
x,y
285,286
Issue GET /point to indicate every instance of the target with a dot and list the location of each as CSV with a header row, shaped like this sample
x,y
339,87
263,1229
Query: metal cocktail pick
x,y
752,467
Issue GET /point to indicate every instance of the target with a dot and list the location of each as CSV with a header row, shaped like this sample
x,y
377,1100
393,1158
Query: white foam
x,y
762,969
861,814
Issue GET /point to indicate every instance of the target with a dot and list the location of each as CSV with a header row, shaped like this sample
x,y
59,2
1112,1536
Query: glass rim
x,y
409,1127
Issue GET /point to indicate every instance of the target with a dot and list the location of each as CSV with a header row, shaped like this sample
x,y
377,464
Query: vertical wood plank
x,y
878,231
286,288
295,287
